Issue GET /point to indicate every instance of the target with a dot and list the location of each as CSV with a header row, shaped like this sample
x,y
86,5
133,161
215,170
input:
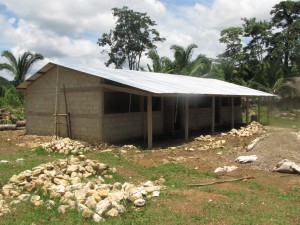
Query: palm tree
x,y
19,67
159,64
272,80
183,63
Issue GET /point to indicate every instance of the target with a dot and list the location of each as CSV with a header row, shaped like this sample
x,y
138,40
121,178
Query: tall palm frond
x,y
19,67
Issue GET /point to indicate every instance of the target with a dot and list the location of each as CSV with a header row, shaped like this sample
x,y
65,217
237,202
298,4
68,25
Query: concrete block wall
x,y
125,126
226,114
84,99
199,117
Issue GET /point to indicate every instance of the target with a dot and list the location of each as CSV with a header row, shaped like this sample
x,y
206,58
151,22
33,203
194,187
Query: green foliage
x,y
270,56
19,67
183,62
9,97
133,35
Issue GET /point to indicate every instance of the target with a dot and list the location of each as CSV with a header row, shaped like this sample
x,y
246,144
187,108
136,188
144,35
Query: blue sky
x,y
68,30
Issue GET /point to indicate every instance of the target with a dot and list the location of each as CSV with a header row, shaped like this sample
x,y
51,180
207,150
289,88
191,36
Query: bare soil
x,y
279,144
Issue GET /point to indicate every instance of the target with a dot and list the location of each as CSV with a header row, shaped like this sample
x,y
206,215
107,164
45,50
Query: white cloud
x,y
68,30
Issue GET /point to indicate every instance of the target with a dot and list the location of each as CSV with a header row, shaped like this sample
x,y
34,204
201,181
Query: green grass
x,y
275,118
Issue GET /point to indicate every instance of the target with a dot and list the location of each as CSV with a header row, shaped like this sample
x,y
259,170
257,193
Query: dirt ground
x,y
278,144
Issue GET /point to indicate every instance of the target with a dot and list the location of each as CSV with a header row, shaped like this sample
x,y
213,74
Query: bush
x,y
9,97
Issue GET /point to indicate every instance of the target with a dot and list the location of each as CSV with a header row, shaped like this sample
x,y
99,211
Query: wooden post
x,y
247,110
149,121
213,108
268,110
232,112
258,110
186,118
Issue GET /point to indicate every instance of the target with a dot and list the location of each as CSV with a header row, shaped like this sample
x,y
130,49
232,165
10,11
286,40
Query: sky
x,y
67,30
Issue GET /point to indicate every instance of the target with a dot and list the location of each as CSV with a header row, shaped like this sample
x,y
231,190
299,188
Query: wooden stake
x,y
219,182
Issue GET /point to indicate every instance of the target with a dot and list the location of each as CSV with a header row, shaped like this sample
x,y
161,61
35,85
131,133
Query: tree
x,y
184,64
19,67
285,41
272,80
231,37
159,64
131,37
259,32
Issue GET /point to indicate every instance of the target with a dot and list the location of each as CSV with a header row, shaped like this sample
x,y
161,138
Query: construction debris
x,y
66,146
76,183
225,169
246,159
286,166
253,128
219,182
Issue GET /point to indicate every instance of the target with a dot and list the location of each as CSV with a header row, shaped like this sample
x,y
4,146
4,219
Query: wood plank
x,y
149,121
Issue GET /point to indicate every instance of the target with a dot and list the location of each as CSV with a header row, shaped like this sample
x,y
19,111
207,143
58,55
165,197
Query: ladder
x,y
66,115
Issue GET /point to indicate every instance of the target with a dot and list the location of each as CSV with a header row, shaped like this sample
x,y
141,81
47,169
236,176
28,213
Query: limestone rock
x,y
112,212
139,202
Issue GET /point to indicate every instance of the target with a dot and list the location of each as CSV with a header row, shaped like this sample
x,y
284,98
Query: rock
x,y
59,189
155,194
80,195
103,206
87,213
139,202
14,202
72,168
24,197
90,202
121,209
97,218
49,204
112,212
117,186
38,203
148,183
35,198
62,209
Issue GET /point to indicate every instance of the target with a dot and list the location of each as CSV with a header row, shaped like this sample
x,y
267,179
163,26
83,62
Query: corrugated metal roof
x,y
159,83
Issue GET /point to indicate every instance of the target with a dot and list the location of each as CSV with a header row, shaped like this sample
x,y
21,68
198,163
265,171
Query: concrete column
x,y
149,122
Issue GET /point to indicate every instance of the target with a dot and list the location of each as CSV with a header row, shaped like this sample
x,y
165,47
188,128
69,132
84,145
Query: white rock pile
x,y
77,183
250,130
209,143
66,146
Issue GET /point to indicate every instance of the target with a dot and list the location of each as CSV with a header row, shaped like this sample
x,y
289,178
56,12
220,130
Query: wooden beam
x,y
186,118
213,113
247,110
268,110
232,112
258,109
125,89
149,121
